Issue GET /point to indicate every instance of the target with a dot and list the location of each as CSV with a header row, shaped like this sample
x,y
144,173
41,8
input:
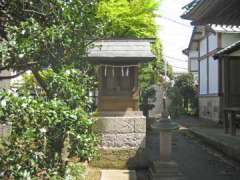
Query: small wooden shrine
x,y
118,95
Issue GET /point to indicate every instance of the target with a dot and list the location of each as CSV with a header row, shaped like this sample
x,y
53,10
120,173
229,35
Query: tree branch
x,y
41,82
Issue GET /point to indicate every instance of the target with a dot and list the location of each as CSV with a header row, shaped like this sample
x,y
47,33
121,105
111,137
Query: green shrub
x,y
70,85
40,129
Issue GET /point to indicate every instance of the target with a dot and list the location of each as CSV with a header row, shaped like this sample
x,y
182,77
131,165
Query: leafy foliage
x,y
123,18
47,33
40,130
51,113
183,95
70,85
152,74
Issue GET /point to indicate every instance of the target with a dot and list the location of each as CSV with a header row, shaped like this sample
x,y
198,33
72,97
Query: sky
x,y
174,33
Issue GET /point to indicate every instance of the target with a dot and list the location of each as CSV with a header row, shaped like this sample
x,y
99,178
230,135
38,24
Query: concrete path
x,y
118,175
199,162
196,161
213,134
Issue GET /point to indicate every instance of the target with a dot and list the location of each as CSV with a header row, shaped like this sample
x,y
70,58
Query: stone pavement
x,y
213,134
118,175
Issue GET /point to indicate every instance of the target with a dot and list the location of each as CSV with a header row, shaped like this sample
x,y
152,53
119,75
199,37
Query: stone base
x,y
127,140
210,107
127,131
162,170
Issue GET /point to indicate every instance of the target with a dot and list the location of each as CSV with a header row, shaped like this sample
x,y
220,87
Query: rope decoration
x,y
124,69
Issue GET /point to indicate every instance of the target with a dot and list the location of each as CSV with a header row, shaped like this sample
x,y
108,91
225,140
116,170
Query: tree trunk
x,y
41,82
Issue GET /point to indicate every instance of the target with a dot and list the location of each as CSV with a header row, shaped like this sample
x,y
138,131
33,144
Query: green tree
x,y
47,33
183,95
53,107
124,18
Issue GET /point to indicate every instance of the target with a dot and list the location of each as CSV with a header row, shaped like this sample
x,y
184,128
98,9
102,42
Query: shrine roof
x,y
121,51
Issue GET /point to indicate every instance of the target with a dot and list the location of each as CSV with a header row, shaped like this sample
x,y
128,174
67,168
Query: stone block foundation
x,y
210,107
122,131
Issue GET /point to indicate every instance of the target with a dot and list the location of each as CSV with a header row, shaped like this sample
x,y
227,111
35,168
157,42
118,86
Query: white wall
x,y
193,54
228,39
213,76
193,65
212,42
203,47
203,77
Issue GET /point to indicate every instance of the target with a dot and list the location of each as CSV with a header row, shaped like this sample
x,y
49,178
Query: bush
x,y
46,132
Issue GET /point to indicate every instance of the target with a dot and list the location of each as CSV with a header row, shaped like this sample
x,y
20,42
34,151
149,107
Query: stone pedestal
x,y
164,170
122,129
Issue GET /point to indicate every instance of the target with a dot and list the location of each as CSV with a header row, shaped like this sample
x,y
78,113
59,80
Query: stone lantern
x,y
165,168
121,123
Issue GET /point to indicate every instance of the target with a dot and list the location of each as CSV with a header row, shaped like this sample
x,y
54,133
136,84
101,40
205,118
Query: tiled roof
x,y
229,49
121,50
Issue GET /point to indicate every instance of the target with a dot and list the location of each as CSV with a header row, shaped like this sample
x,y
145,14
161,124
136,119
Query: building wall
x,y
212,42
193,65
203,77
208,77
209,100
203,47
213,76
210,107
229,38
209,68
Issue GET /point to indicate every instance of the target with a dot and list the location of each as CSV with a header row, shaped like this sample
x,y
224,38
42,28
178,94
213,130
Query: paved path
x,y
196,161
199,162
118,175
213,134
